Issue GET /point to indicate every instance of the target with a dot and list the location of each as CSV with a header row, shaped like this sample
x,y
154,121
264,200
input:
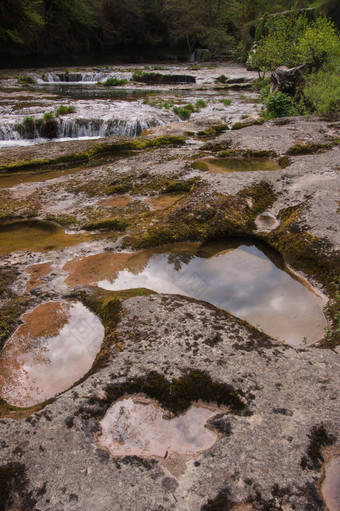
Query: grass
x,y
184,112
64,110
26,80
200,103
115,82
108,224
221,79
226,102
48,116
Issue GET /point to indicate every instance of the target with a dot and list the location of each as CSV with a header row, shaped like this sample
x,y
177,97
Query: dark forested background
x,y
71,27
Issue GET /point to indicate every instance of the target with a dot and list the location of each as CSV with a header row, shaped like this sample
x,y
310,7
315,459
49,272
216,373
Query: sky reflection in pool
x,y
237,277
136,427
53,349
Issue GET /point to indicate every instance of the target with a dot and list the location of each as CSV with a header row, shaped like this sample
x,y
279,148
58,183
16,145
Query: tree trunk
x,y
288,80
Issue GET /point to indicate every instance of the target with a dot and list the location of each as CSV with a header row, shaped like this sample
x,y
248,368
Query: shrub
x,y
264,93
322,94
294,40
29,122
320,45
114,82
63,110
260,83
279,104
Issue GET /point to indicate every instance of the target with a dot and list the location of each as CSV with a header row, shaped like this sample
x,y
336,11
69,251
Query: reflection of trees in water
x,y
178,260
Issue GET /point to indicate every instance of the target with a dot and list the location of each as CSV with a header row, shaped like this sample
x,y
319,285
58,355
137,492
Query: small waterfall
x,y
8,132
77,128
81,77
80,128
200,55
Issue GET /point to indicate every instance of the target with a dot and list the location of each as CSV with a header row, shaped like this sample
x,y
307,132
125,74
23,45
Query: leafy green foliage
x,y
264,93
320,45
20,21
281,45
293,40
280,104
60,26
260,83
322,93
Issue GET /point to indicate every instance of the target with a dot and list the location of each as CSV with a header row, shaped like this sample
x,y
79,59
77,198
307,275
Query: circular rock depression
x,y
53,349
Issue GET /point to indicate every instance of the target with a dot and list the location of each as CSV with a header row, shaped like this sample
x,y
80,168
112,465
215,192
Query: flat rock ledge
x,y
267,456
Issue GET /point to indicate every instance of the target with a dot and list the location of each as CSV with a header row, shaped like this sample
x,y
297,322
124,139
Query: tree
x,y
70,24
199,22
20,22
281,45
319,46
293,40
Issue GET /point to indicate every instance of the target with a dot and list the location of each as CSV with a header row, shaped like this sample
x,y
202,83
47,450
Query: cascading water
x,y
77,128
81,77
83,128
107,119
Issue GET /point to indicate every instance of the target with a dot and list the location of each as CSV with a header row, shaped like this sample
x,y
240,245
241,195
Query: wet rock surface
x,y
282,401
286,391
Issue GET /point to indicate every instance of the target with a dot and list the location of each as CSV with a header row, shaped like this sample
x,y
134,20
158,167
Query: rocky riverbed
x,y
77,212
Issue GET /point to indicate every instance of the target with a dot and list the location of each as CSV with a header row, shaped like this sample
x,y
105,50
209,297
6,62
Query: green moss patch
x,y
300,149
108,224
13,305
137,144
203,221
118,189
175,186
213,131
246,124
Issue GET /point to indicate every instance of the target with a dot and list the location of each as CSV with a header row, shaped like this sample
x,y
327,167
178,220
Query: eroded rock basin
x,y
137,426
54,348
331,485
37,236
234,276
